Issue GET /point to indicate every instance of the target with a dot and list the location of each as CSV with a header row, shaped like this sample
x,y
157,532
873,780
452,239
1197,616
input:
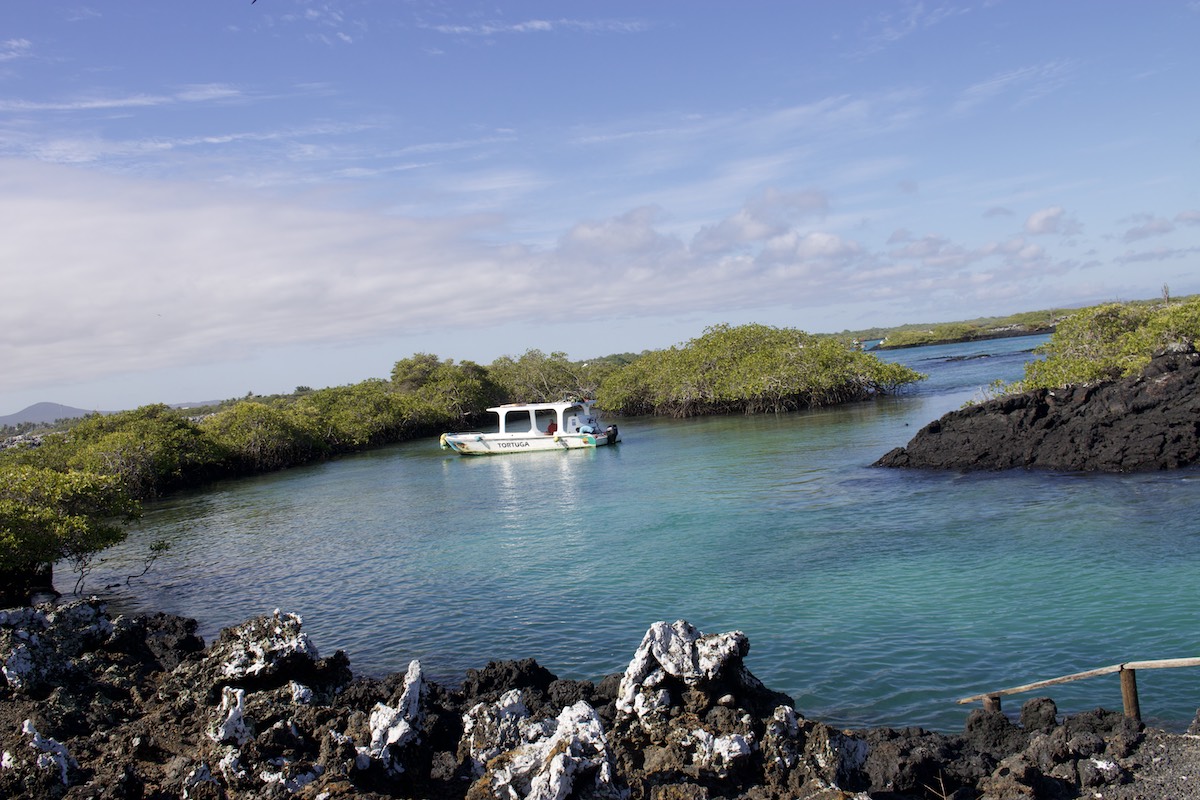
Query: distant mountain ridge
x,y
41,413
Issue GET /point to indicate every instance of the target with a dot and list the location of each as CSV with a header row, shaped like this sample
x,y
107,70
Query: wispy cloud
x,y
892,26
12,49
201,275
1157,254
1152,226
1020,86
84,148
497,28
79,13
199,93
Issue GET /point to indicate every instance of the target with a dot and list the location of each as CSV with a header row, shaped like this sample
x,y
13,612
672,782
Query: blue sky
x,y
205,199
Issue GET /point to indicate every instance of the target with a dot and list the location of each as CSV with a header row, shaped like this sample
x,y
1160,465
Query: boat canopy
x,y
566,417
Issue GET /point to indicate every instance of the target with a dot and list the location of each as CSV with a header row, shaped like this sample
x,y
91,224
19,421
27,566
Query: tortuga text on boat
x,y
527,427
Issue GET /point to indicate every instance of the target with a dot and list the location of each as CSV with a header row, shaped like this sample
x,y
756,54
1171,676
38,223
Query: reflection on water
x,y
871,596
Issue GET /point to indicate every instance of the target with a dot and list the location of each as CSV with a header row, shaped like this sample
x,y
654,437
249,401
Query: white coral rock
x,y
257,648
399,725
231,727
680,651
549,766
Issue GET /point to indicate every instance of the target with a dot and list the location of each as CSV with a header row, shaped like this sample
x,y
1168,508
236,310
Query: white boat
x,y
529,427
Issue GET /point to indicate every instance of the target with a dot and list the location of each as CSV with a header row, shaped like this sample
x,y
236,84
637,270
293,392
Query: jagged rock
x,y
1039,714
265,653
539,692
1094,772
163,640
39,647
833,758
559,758
1016,779
993,733
490,729
913,761
45,755
1147,422
132,709
398,726
676,662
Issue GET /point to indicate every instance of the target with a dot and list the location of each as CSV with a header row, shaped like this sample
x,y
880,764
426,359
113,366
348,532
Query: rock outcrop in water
x,y
1147,422
136,707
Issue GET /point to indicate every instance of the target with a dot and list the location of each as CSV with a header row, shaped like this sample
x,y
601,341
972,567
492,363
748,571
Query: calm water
x,y
871,596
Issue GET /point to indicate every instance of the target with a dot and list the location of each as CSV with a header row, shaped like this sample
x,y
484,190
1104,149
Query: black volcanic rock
x,y
137,708
1142,423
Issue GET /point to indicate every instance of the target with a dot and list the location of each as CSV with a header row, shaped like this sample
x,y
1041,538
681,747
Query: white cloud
x,y
1017,250
630,235
1153,226
1052,220
934,251
124,276
768,214
800,247
145,276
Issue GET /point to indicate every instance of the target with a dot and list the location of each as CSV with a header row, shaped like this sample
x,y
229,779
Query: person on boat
x,y
551,428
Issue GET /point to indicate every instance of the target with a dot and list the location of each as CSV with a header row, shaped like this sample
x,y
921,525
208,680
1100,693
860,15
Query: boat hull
x,y
490,444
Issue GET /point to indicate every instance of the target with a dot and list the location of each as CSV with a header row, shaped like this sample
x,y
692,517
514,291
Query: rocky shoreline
x,y
139,707
1145,422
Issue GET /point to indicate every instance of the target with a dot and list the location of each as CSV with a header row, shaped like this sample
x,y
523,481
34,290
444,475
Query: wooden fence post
x,y
1129,695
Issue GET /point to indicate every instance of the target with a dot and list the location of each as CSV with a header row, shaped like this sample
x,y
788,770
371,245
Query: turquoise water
x,y
871,596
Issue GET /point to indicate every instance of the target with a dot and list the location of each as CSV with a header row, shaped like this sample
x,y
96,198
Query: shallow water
x,y
870,596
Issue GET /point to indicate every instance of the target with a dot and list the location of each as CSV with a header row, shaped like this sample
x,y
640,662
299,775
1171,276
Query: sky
x,y
201,200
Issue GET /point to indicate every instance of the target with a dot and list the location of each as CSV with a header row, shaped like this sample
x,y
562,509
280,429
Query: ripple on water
x,y
871,596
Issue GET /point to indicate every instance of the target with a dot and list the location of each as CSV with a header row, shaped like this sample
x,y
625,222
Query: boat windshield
x,y
526,420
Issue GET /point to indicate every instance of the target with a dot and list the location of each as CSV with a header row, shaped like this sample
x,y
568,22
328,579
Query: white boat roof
x,y
562,406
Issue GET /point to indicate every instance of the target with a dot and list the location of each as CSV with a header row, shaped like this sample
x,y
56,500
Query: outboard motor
x,y
611,433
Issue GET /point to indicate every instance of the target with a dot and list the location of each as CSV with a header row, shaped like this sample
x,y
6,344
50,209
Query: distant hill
x,y
41,413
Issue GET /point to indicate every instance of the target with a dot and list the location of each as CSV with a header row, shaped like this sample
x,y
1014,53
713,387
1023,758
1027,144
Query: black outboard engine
x,y
611,433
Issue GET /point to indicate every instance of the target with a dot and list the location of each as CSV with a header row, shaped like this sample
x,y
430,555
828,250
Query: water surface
x,y
871,596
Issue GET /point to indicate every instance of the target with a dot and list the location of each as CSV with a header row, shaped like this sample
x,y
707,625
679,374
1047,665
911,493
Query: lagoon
x,y
871,596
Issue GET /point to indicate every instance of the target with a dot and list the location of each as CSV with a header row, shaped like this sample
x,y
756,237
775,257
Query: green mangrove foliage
x,y
1023,324
257,437
47,516
454,394
535,377
748,369
67,498
151,450
1110,341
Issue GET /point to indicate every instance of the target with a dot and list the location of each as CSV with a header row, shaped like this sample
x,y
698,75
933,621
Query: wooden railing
x,y
1128,672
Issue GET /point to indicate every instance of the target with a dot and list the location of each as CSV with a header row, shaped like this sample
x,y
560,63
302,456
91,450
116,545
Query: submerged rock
x,y
137,708
1147,422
